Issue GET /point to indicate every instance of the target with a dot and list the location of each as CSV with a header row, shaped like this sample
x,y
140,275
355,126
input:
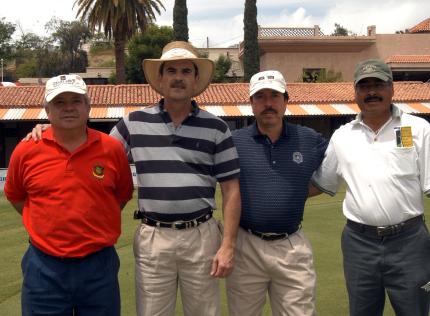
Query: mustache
x,y
269,110
177,84
371,98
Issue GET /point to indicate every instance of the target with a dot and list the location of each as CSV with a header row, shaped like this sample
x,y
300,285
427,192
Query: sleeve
x,y
320,147
124,184
121,132
424,160
14,187
226,158
326,177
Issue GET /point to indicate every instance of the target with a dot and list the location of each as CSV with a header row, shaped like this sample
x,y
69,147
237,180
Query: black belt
x,y
271,236
384,231
176,224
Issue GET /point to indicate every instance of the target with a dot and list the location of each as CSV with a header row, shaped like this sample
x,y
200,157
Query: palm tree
x,y
120,19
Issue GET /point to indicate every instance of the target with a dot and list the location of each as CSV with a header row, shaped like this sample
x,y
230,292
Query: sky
x,y
220,22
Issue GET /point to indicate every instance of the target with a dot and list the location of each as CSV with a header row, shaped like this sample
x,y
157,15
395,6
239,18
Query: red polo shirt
x,y
72,200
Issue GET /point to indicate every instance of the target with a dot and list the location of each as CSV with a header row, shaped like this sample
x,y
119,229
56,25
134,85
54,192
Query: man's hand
x,y
36,132
222,264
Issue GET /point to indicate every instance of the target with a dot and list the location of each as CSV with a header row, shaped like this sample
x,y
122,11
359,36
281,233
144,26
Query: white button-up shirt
x,y
384,182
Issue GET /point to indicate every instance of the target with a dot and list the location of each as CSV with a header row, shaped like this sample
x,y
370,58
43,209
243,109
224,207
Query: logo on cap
x,y
369,69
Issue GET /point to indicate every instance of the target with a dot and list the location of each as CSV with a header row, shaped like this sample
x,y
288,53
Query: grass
x,y
323,225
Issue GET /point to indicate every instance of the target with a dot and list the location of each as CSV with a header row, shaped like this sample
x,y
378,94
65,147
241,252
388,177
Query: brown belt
x,y
384,231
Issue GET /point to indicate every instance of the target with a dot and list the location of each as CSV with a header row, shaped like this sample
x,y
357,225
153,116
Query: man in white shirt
x,y
383,156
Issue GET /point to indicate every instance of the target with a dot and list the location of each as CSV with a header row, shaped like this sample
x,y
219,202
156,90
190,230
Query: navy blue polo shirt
x,y
274,177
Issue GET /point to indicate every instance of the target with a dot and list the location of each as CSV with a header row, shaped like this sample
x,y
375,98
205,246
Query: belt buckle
x,y
383,231
175,225
270,235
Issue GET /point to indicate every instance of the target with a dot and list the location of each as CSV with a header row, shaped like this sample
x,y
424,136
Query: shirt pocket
x,y
403,162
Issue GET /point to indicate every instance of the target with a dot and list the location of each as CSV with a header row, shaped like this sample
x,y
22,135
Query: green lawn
x,y
323,225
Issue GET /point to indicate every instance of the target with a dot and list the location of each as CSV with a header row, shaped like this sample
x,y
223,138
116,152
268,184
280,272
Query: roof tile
x,y
422,27
138,95
409,59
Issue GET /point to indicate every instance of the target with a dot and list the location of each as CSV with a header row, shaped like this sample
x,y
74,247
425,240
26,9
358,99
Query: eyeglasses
x,y
376,86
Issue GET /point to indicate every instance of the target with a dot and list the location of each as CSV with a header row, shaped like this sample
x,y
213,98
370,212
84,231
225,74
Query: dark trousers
x,y
398,265
65,287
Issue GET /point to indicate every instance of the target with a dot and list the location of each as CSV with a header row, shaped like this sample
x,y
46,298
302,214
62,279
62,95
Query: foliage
x,y
100,43
180,23
71,36
6,31
222,66
146,45
120,19
322,76
339,30
405,31
61,52
251,52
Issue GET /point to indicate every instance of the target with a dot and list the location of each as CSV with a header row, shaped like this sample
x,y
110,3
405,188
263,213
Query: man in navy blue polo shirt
x,y
277,160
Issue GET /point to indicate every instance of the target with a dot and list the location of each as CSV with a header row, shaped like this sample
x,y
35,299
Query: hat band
x,y
178,52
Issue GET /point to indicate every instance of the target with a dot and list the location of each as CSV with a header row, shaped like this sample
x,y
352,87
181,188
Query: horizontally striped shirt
x,y
177,167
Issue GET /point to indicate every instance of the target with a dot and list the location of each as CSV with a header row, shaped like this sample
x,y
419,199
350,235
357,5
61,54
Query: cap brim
x,y
56,92
377,75
205,67
266,85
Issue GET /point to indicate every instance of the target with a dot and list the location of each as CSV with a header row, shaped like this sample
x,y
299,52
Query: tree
x,y
322,75
405,31
146,45
71,36
222,66
339,30
251,52
60,52
6,31
180,23
120,19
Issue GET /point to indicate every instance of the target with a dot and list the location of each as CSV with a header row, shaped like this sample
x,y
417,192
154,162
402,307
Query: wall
x,y
291,63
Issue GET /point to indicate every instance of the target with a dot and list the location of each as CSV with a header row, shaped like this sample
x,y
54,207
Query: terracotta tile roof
x,y
287,31
409,59
225,100
422,27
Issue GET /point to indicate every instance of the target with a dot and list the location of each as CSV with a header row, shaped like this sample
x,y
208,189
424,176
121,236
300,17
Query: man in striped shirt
x,y
180,153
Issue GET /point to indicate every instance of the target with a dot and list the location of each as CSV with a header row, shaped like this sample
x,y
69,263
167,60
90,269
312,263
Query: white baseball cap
x,y
269,79
64,83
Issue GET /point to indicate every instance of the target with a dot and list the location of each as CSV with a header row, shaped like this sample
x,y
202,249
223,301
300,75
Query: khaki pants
x,y
166,258
282,268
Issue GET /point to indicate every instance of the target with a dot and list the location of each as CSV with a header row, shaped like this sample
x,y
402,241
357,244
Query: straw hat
x,y
179,50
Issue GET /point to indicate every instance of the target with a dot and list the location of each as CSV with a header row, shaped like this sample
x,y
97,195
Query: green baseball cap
x,y
372,68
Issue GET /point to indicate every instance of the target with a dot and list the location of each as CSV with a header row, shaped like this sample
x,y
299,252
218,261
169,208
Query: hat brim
x,y
377,75
266,85
206,67
56,92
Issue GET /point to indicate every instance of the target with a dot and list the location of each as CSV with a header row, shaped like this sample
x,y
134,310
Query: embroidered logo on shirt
x,y
98,171
426,287
297,157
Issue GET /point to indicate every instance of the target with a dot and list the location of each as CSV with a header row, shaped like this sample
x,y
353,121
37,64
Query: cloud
x,y
222,20
388,16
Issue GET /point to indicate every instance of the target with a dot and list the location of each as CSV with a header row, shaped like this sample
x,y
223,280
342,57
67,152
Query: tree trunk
x,y
120,59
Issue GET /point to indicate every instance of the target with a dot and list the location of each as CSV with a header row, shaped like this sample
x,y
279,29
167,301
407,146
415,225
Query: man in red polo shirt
x,y
70,189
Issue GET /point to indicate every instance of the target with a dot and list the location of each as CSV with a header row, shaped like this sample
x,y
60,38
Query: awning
x,y
242,110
